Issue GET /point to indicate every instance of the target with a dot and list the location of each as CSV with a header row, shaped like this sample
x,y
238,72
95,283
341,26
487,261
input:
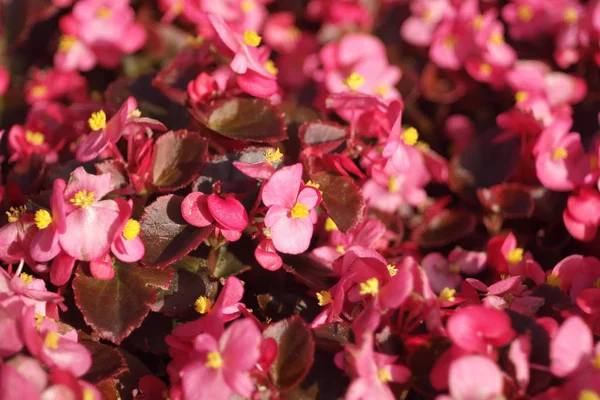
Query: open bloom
x,y
92,223
221,365
291,213
474,377
45,244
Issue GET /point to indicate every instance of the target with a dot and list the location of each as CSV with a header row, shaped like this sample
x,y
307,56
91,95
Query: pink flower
x,y
526,19
581,216
266,255
92,224
15,236
220,366
572,349
45,243
226,213
374,371
478,329
474,377
202,88
105,133
55,84
419,27
128,246
291,213
440,273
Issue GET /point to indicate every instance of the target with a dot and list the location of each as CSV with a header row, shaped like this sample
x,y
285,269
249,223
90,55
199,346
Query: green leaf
x,y
295,352
165,234
254,120
114,308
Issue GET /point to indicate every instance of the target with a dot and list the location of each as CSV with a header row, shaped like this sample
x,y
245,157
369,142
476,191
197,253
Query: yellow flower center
x,y
454,268
525,13
26,278
14,213
39,91
392,270
83,199
66,43
588,395
88,394
485,69
382,90
324,298
293,32
178,7
35,138
478,22
384,375
571,15
195,41
593,162
515,256
299,211
38,320
42,219
97,120
135,113
392,185
51,340
330,225
560,153
214,360
521,96
553,280
131,230
447,295
251,38
202,305
450,41
597,283
508,298
104,13
354,81
340,249
596,362
247,5
273,156
496,38
410,136
314,185
370,286
270,66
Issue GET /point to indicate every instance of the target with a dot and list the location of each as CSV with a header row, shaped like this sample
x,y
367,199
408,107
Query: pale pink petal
x,y
128,250
309,196
44,244
475,377
292,235
274,214
239,345
572,345
80,180
282,188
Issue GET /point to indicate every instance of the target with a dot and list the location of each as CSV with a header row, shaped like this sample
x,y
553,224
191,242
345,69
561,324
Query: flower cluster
x,y
328,199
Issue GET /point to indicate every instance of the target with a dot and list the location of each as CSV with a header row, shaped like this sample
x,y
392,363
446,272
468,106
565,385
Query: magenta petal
x,y
309,196
231,235
91,146
90,232
239,345
80,180
292,235
102,268
257,85
62,267
44,244
194,210
282,188
267,257
200,382
128,250
228,212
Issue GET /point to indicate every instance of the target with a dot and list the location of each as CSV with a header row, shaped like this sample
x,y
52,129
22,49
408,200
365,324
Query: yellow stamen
x,y
382,90
104,13
521,96
35,138
447,295
340,249
423,146
293,32
97,120
496,38
515,256
354,81
427,15
560,153
135,113
410,136
267,232
195,41
588,395
14,213
202,305
38,91
66,43
312,184
508,298
42,219
299,211
26,278
324,298
593,162
178,7
251,38
525,13
88,394
454,268
247,5
596,362
51,340
131,230
450,41
571,15
392,269
553,280
214,360
270,66
392,185
38,320
384,375
370,286
485,69
478,22
273,156
330,225
83,199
